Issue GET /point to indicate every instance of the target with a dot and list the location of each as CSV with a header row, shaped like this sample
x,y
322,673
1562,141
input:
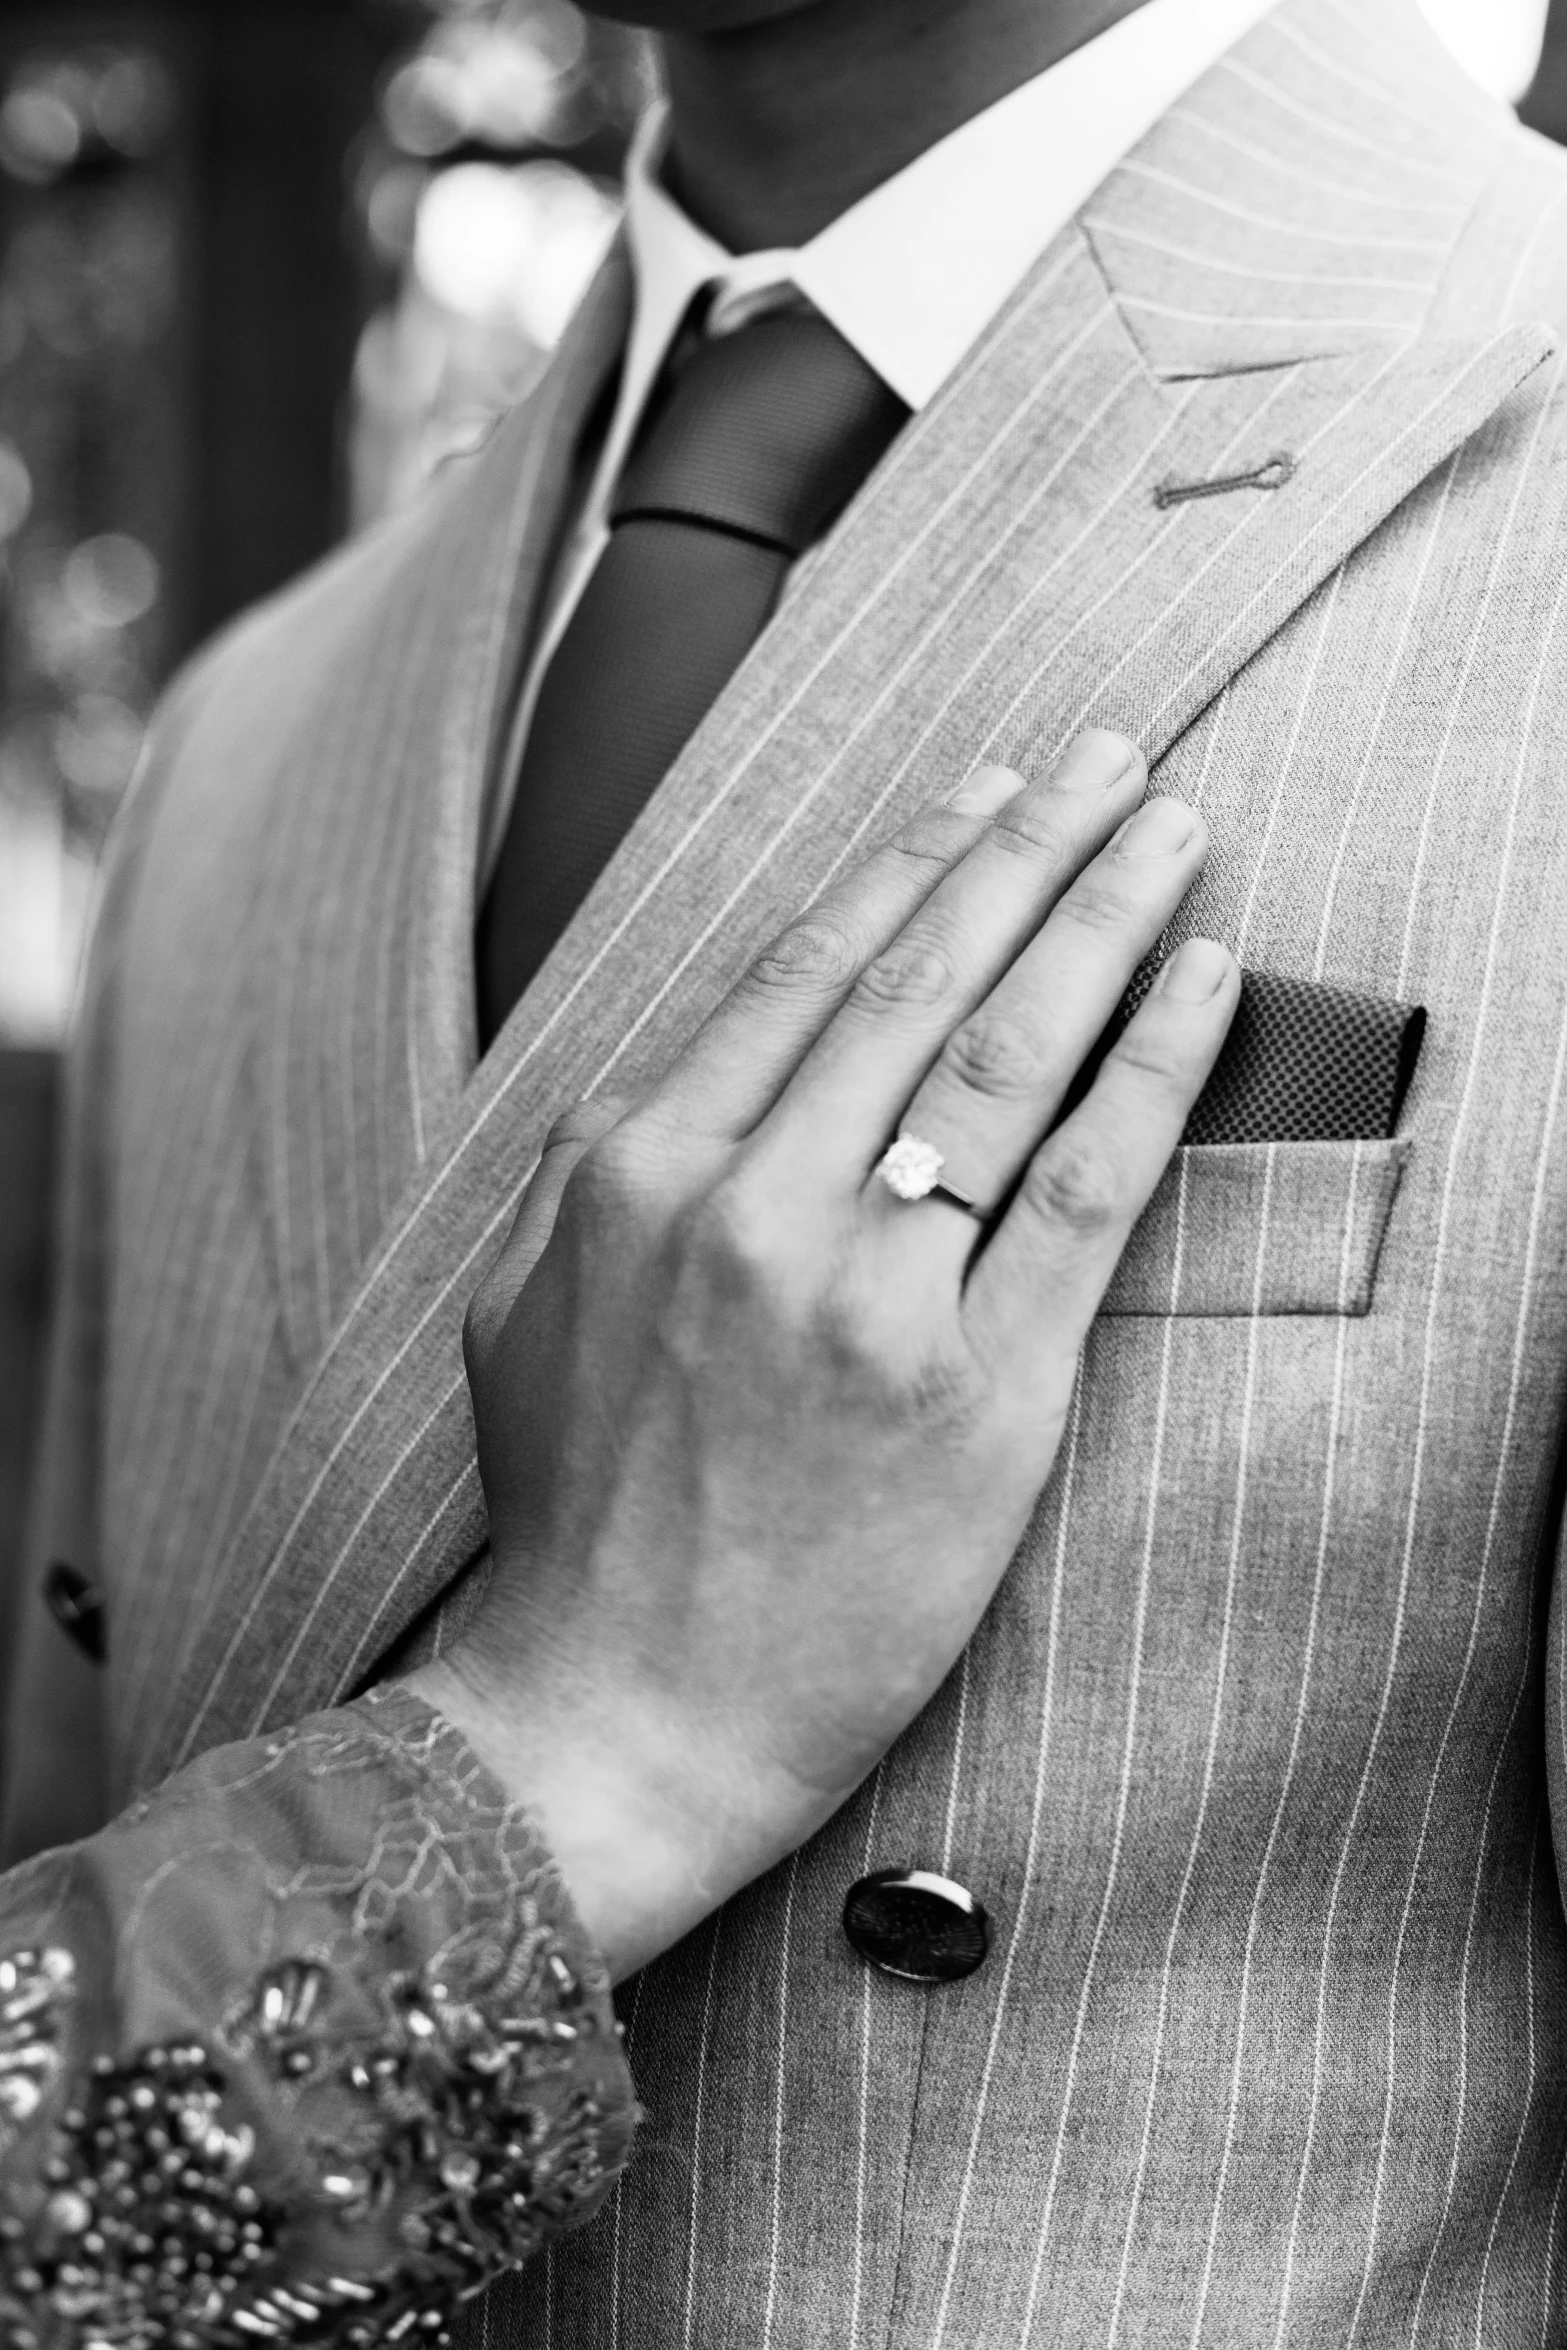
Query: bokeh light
x,y
514,244
488,191
57,110
89,274
111,580
16,490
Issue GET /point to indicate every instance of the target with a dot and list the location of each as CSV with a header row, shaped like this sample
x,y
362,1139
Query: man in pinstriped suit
x,y
1249,1760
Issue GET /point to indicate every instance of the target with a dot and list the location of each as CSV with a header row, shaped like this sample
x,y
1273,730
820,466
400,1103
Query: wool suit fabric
x,y
1255,1759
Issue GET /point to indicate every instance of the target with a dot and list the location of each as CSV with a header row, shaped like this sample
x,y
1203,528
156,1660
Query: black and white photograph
x,y
783,1174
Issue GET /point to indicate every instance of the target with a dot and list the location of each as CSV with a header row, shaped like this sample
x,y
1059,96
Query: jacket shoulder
x,y
296,629
1511,264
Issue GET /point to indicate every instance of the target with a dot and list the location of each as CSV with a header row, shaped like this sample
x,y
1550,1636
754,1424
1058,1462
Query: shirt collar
x,y
913,273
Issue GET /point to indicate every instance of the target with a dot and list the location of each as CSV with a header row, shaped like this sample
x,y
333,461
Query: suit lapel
x,y
1007,575
361,1008
1304,200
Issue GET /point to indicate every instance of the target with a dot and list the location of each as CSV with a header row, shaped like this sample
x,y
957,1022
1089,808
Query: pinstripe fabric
x,y
1145,620
1248,1759
291,1125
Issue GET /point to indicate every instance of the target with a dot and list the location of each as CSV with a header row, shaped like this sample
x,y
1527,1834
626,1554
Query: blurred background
x,y
263,263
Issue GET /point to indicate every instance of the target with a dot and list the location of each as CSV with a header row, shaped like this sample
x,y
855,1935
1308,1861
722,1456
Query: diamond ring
x,y
911,1169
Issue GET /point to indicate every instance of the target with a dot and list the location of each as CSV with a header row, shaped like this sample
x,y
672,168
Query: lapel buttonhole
x,y
1271,475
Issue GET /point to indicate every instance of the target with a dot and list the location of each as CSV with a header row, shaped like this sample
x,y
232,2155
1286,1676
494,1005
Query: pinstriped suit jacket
x,y
1250,1758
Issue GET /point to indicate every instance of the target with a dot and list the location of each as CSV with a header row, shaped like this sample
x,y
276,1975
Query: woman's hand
x,y
757,1436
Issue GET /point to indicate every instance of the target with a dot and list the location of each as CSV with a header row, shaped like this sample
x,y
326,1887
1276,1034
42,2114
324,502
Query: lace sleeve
x,y
305,2047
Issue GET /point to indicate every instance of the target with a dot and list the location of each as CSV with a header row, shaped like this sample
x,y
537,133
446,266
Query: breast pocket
x,y
1262,1228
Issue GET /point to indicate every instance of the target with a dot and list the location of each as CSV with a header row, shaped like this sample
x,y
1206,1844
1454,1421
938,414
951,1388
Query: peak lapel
x,y
1007,575
1304,200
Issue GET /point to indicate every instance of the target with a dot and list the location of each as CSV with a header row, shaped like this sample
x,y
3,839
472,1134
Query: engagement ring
x,y
911,1170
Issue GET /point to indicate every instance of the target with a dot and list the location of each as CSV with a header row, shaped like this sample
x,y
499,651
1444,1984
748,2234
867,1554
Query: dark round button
x,y
76,1605
911,1922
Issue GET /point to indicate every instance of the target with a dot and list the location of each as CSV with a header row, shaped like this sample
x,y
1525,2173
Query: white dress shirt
x,y
912,273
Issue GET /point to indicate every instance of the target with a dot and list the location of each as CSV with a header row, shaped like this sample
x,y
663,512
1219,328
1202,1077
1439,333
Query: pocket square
x,y
1305,1062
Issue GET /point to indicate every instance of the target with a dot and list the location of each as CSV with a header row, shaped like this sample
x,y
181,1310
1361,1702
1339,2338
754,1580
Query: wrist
x,y
639,1861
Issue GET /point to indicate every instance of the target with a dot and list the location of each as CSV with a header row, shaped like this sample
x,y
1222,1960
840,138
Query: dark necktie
x,y
754,448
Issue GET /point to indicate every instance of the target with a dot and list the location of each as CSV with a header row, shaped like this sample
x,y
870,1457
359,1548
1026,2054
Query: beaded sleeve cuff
x,y
306,2047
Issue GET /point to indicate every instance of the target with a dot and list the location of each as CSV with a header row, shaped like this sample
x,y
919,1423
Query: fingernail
x,y
1194,972
986,790
1158,829
1093,761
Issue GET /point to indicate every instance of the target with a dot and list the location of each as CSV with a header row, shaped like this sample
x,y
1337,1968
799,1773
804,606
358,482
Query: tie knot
x,y
766,432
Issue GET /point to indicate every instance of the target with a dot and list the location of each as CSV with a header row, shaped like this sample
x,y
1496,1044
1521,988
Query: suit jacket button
x,y
76,1605
912,1923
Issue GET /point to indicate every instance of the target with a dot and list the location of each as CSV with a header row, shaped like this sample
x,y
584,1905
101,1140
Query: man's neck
x,y
781,126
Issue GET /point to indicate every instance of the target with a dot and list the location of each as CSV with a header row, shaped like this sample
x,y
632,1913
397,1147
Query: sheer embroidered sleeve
x,y
305,2047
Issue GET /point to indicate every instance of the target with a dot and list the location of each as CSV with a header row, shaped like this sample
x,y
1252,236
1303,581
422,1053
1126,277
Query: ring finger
x,y
1005,1072
731,1070
838,1110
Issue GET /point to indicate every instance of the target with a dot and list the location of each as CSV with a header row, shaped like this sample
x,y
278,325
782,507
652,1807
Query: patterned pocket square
x,y
1304,1062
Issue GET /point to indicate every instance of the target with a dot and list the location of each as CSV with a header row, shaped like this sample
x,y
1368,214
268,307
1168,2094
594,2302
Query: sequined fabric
x,y
36,1990
259,2097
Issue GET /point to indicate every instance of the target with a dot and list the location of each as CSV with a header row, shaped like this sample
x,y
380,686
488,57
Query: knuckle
x,y
1141,1055
735,1227
1095,903
613,1162
1034,830
994,1053
584,1122
933,840
884,1367
619,1169
848,1338
1074,1183
727,1267
906,975
816,953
